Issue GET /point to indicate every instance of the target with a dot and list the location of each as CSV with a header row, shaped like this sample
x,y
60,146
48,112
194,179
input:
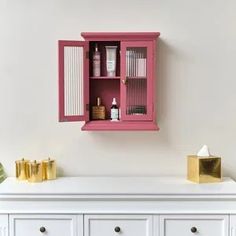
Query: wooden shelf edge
x,y
120,126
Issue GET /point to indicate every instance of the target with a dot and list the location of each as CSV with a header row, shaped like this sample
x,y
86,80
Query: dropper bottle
x,y
114,110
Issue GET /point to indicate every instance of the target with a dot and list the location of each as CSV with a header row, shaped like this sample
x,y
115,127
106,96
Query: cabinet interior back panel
x,y
106,90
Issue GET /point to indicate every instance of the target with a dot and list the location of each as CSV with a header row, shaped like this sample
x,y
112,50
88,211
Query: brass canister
x,y
21,169
35,171
49,169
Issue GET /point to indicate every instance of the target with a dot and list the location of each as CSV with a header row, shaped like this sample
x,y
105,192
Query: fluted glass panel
x,y
73,79
136,81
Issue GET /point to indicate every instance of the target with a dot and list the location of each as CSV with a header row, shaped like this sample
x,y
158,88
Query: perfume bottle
x,y
114,111
98,111
96,62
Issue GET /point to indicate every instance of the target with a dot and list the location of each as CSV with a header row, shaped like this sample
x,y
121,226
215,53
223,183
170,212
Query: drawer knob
x,y
42,229
193,229
117,229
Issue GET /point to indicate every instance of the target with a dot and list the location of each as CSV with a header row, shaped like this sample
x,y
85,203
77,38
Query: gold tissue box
x,y
204,169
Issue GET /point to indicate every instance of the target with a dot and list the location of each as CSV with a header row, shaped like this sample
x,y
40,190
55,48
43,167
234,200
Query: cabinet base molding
x,y
119,126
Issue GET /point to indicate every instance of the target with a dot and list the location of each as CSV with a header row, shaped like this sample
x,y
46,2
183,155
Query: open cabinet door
x,y
73,81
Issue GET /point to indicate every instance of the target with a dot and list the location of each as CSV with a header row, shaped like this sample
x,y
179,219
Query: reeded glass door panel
x,y
137,80
73,66
73,81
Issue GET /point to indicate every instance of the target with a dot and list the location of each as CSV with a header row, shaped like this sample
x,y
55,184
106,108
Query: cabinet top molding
x,y
117,187
120,35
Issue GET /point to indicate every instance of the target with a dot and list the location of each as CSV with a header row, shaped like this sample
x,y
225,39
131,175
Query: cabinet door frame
x,y
150,80
85,89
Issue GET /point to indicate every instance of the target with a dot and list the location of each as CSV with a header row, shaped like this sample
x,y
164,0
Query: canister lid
x,y
21,161
34,163
49,160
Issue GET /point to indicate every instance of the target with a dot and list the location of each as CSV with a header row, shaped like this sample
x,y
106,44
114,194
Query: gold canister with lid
x,y
22,169
35,171
49,169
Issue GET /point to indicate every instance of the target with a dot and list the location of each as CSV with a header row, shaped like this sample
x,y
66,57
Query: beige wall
x,y
196,87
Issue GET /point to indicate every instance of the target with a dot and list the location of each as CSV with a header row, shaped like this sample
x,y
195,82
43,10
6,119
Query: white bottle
x,y
96,62
114,111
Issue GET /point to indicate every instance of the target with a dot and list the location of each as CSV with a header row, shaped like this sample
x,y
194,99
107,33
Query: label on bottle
x,y
114,114
110,65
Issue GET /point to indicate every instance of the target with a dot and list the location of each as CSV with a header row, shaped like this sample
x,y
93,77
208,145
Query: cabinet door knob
x,y
42,229
117,229
125,81
193,229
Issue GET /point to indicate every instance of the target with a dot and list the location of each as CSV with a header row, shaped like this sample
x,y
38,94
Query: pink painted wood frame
x,y
150,78
108,125
85,46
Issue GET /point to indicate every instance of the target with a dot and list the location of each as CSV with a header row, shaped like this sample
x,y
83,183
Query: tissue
x,y
204,152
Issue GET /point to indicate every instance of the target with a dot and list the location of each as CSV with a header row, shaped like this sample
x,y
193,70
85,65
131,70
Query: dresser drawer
x,y
115,225
48,225
190,225
3,225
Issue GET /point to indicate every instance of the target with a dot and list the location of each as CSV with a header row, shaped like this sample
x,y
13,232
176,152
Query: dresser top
x,y
116,186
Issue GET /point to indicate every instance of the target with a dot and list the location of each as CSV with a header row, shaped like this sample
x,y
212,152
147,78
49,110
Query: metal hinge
x,y
87,54
87,107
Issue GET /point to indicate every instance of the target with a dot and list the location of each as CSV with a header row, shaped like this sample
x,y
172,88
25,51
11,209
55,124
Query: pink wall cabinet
x,y
109,65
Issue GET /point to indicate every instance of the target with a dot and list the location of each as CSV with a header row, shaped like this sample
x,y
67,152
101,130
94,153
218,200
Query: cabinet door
x,y
73,80
137,66
4,225
115,225
190,225
50,225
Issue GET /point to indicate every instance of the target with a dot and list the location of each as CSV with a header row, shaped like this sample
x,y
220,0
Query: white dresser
x,y
117,206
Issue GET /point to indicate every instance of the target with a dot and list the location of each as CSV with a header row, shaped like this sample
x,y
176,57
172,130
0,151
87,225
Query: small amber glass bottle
x,y
99,111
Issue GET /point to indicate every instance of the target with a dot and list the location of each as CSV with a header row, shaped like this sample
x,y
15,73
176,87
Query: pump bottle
x,y
96,62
